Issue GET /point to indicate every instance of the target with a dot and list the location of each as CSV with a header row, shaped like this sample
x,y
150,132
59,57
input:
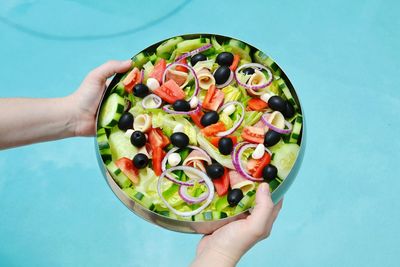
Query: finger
x,y
110,68
277,208
263,208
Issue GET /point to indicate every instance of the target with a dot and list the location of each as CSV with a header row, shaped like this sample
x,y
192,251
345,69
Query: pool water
x,y
341,56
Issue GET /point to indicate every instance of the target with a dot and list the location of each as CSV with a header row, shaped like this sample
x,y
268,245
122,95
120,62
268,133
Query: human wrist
x,y
72,120
214,257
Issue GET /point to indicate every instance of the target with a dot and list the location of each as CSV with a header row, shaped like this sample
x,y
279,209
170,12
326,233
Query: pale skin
x,y
27,121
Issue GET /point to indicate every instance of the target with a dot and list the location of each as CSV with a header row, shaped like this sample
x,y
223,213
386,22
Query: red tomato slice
x,y
158,155
131,80
127,167
213,129
253,134
213,98
256,104
196,117
256,166
180,68
235,63
170,92
222,184
214,140
158,70
157,138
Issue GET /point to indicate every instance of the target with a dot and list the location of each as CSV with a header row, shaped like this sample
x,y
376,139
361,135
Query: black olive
x,y
225,59
234,196
140,90
215,170
289,110
180,140
248,71
277,103
138,139
196,58
126,121
181,105
221,75
269,173
209,118
140,160
271,138
225,145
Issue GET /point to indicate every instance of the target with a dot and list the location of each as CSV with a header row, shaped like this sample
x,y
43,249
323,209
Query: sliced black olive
x,y
209,118
248,71
140,90
234,196
277,103
215,170
196,58
221,75
225,145
271,138
138,139
225,59
269,173
125,121
289,110
140,160
179,139
181,105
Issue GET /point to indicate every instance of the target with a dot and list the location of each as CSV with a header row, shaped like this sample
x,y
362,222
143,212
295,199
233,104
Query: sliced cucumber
x,y
104,146
284,159
240,48
285,90
262,58
140,59
119,177
111,111
140,197
246,202
119,88
121,145
189,45
165,49
222,203
295,134
209,216
274,184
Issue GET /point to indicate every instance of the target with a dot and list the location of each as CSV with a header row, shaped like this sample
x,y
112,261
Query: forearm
x,y
211,257
26,121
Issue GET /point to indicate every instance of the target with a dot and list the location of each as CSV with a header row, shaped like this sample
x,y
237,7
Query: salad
x,y
195,125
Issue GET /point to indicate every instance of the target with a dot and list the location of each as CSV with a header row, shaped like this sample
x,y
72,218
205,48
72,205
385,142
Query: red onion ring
x,y
167,109
155,98
174,149
237,124
207,180
258,66
237,162
265,118
193,52
196,80
184,194
142,76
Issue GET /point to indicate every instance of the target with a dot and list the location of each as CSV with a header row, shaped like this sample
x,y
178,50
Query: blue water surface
x,y
343,58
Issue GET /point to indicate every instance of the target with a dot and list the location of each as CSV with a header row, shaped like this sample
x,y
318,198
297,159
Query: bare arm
x,y
26,120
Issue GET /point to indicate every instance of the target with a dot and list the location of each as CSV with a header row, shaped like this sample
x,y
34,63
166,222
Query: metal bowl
x,y
202,227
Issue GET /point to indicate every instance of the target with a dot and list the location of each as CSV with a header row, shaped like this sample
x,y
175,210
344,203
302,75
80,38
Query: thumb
x,y
110,68
263,208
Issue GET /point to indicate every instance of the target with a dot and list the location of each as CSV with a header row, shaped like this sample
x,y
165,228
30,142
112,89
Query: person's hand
x,y
229,243
85,101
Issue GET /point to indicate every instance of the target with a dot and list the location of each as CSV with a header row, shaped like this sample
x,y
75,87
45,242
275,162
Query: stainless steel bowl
x,y
205,227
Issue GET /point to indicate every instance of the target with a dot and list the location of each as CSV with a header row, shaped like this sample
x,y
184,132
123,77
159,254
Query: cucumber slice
x,y
111,111
284,159
274,184
189,45
222,203
119,88
262,58
246,202
285,90
140,197
121,145
209,216
104,146
165,49
119,177
140,59
295,134
240,48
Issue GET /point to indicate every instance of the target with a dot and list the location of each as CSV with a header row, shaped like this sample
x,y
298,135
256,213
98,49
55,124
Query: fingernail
x,y
265,188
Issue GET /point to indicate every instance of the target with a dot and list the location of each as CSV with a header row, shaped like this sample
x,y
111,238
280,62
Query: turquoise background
x,y
343,58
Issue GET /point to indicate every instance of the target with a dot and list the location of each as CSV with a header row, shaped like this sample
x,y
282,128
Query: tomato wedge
x,y
158,70
256,104
170,92
158,155
196,117
157,138
127,167
222,184
213,98
253,134
235,63
215,139
131,80
213,129
256,166
180,68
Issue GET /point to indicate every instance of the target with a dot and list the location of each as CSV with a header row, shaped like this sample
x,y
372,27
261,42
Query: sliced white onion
x,y
151,101
196,81
237,123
